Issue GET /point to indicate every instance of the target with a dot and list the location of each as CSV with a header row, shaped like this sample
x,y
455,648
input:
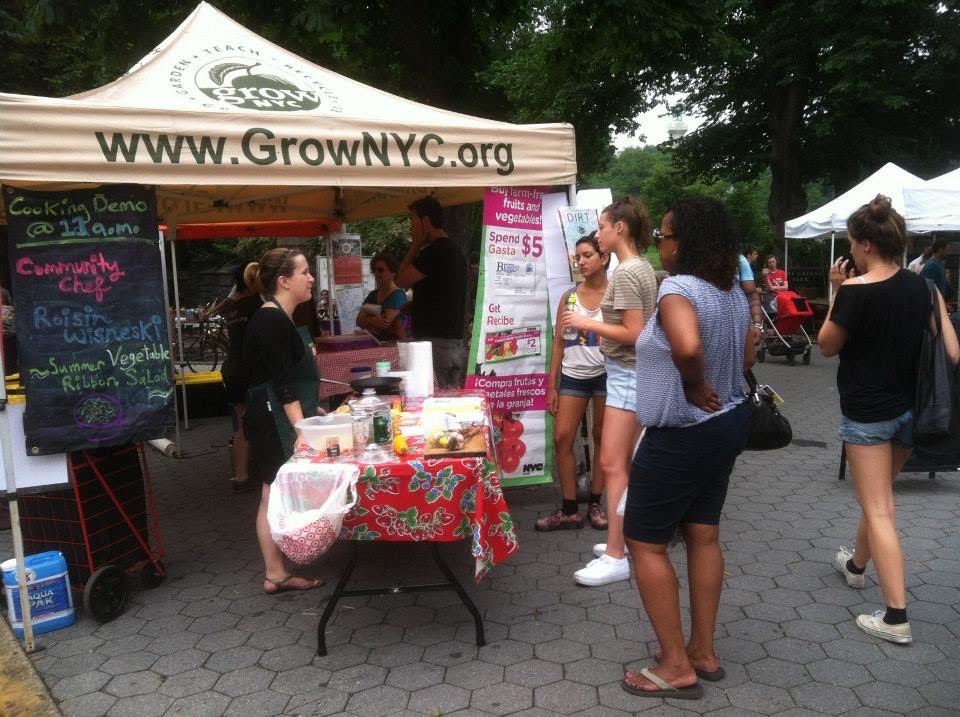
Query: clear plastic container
x,y
372,427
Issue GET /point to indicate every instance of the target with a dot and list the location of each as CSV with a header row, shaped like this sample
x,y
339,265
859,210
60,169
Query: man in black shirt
x,y
437,270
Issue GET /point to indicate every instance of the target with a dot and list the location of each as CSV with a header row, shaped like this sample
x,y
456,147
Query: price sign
x,y
532,245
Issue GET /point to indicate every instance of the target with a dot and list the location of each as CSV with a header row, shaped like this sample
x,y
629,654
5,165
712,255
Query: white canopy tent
x,y
935,206
889,180
831,218
230,127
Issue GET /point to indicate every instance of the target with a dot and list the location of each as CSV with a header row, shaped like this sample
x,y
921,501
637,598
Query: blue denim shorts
x,y
621,386
583,387
898,430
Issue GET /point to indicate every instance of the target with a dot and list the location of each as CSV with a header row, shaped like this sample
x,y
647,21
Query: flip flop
x,y
715,676
280,586
664,688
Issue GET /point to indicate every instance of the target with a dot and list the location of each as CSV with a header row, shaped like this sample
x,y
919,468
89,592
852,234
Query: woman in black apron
x,y
283,388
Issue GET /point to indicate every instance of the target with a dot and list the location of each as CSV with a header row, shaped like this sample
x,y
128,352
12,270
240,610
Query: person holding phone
x,y
875,324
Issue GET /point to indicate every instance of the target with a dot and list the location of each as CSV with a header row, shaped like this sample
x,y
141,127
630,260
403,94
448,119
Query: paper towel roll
x,y
416,357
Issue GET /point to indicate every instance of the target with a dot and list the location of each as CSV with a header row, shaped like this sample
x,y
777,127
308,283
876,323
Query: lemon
x,y
399,444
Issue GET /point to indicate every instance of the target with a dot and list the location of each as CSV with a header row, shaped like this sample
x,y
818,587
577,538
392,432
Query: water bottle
x,y
569,333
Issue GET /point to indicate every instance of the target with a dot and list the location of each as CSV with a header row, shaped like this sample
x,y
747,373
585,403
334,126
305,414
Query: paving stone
x,y
81,684
357,679
895,698
235,658
244,681
794,650
287,658
777,673
149,705
257,704
416,675
565,697
378,701
764,699
95,704
562,651
535,632
592,671
506,652
450,653
188,683
174,642
214,623
439,700
343,656
180,662
69,666
206,704
533,673
501,699
588,632
220,640
75,646
131,662
133,683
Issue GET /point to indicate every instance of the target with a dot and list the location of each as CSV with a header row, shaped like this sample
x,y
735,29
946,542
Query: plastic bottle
x,y
570,334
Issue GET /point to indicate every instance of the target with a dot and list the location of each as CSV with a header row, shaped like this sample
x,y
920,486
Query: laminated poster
x,y
511,333
576,222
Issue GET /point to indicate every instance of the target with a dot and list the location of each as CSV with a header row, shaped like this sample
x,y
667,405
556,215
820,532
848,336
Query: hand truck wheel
x,y
806,357
791,359
105,594
152,574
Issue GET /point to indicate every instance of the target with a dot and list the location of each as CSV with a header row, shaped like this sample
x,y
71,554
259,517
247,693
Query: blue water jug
x,y
48,585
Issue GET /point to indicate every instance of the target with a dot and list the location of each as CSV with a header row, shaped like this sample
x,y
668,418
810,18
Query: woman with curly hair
x,y
691,358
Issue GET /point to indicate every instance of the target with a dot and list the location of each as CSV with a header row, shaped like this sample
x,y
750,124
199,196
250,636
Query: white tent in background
x,y
935,206
889,180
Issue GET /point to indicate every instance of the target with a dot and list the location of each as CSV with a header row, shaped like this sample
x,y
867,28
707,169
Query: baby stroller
x,y
784,314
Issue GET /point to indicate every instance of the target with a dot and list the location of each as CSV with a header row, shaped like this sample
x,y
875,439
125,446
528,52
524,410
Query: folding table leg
x,y
334,598
455,584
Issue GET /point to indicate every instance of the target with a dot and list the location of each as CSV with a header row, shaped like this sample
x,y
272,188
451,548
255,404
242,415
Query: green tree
x,y
826,90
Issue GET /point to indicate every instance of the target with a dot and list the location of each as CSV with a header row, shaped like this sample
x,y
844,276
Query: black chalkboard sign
x,y
90,317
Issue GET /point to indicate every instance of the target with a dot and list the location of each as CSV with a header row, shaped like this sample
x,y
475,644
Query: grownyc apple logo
x,y
246,83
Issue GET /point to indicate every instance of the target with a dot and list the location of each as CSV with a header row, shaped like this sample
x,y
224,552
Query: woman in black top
x,y
876,325
237,310
283,388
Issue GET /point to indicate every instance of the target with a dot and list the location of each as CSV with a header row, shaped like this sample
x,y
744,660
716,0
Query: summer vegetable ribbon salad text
x,y
261,146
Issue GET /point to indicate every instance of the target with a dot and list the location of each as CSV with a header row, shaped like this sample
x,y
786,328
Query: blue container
x,y
48,585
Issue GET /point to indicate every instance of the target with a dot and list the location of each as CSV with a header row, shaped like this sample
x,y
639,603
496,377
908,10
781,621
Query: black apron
x,y
265,423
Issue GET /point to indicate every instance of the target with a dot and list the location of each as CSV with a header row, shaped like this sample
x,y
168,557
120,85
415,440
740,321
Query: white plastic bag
x,y
307,505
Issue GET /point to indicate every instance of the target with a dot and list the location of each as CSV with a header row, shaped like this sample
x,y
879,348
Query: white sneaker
x,y
840,563
600,548
603,571
874,625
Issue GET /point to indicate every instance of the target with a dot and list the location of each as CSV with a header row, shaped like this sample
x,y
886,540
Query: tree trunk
x,y
787,197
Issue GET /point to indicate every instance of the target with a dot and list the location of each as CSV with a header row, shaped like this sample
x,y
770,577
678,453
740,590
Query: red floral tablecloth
x,y
434,499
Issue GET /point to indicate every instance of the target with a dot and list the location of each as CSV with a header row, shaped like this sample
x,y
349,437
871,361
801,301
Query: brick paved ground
x,y
209,642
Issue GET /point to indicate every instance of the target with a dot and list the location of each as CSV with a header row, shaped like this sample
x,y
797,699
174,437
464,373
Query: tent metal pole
x,y
572,194
172,227
786,257
331,294
833,249
161,237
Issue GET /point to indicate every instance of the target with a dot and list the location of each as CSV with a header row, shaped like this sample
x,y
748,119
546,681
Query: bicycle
x,y
205,350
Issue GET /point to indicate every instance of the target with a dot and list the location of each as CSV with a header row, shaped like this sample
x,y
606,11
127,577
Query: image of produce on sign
x,y
511,344
507,429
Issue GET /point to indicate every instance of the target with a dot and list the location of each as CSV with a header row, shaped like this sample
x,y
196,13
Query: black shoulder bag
x,y
935,406
769,429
